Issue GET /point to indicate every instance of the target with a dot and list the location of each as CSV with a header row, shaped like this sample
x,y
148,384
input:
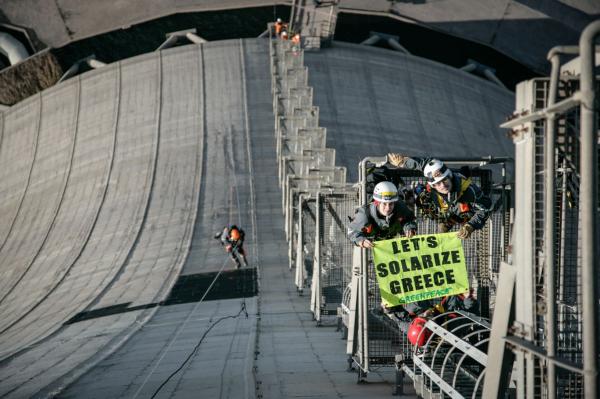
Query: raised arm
x,y
406,162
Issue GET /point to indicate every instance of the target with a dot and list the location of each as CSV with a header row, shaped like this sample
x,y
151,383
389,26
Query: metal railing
x,y
553,333
453,360
306,167
551,330
315,22
332,270
376,338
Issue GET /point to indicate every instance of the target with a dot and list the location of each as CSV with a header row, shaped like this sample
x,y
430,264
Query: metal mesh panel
x,y
384,339
498,232
309,234
304,163
293,227
568,271
483,252
446,368
335,266
541,93
335,174
566,221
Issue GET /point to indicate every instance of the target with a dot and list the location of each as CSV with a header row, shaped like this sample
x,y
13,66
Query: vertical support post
x,y
300,275
523,243
500,358
315,299
549,226
588,216
292,15
353,325
563,240
364,274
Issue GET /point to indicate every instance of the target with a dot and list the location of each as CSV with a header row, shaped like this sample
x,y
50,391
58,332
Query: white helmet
x,y
435,171
385,191
279,20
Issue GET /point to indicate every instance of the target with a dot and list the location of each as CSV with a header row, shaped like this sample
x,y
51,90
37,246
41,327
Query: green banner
x,y
421,267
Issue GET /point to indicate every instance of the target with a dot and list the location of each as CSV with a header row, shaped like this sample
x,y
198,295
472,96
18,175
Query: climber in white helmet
x,y
457,199
384,218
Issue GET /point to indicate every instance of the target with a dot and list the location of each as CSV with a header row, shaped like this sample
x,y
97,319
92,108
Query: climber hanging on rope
x,y
232,238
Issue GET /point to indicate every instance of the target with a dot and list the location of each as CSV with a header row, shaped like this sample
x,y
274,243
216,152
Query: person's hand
x,y
396,159
228,248
365,244
410,233
465,231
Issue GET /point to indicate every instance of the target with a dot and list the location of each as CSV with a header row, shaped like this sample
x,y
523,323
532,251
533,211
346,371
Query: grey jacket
x,y
369,224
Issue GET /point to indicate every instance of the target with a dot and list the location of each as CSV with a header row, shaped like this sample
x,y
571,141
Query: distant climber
x,y
280,26
296,41
455,199
232,238
384,218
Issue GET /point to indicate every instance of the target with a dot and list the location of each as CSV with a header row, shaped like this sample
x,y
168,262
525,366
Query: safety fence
x,y
544,329
315,20
551,340
455,361
306,167
332,271
317,204
378,338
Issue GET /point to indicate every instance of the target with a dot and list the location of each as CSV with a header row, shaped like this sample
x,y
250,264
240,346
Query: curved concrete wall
x,y
104,204
113,182
373,101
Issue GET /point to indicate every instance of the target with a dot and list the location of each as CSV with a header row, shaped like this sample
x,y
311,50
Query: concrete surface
x,y
396,102
116,181
110,241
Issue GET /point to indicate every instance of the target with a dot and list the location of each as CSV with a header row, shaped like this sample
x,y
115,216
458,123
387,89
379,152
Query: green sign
x,y
421,267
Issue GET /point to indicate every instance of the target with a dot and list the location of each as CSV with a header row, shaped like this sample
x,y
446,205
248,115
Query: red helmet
x,y
234,234
417,333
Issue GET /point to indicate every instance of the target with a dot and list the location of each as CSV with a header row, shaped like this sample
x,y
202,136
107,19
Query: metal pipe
x,y
492,76
363,281
364,325
94,63
393,43
470,67
300,247
316,290
567,50
476,387
488,160
371,40
587,208
194,38
12,48
549,230
292,15
563,239
533,350
170,42
69,72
